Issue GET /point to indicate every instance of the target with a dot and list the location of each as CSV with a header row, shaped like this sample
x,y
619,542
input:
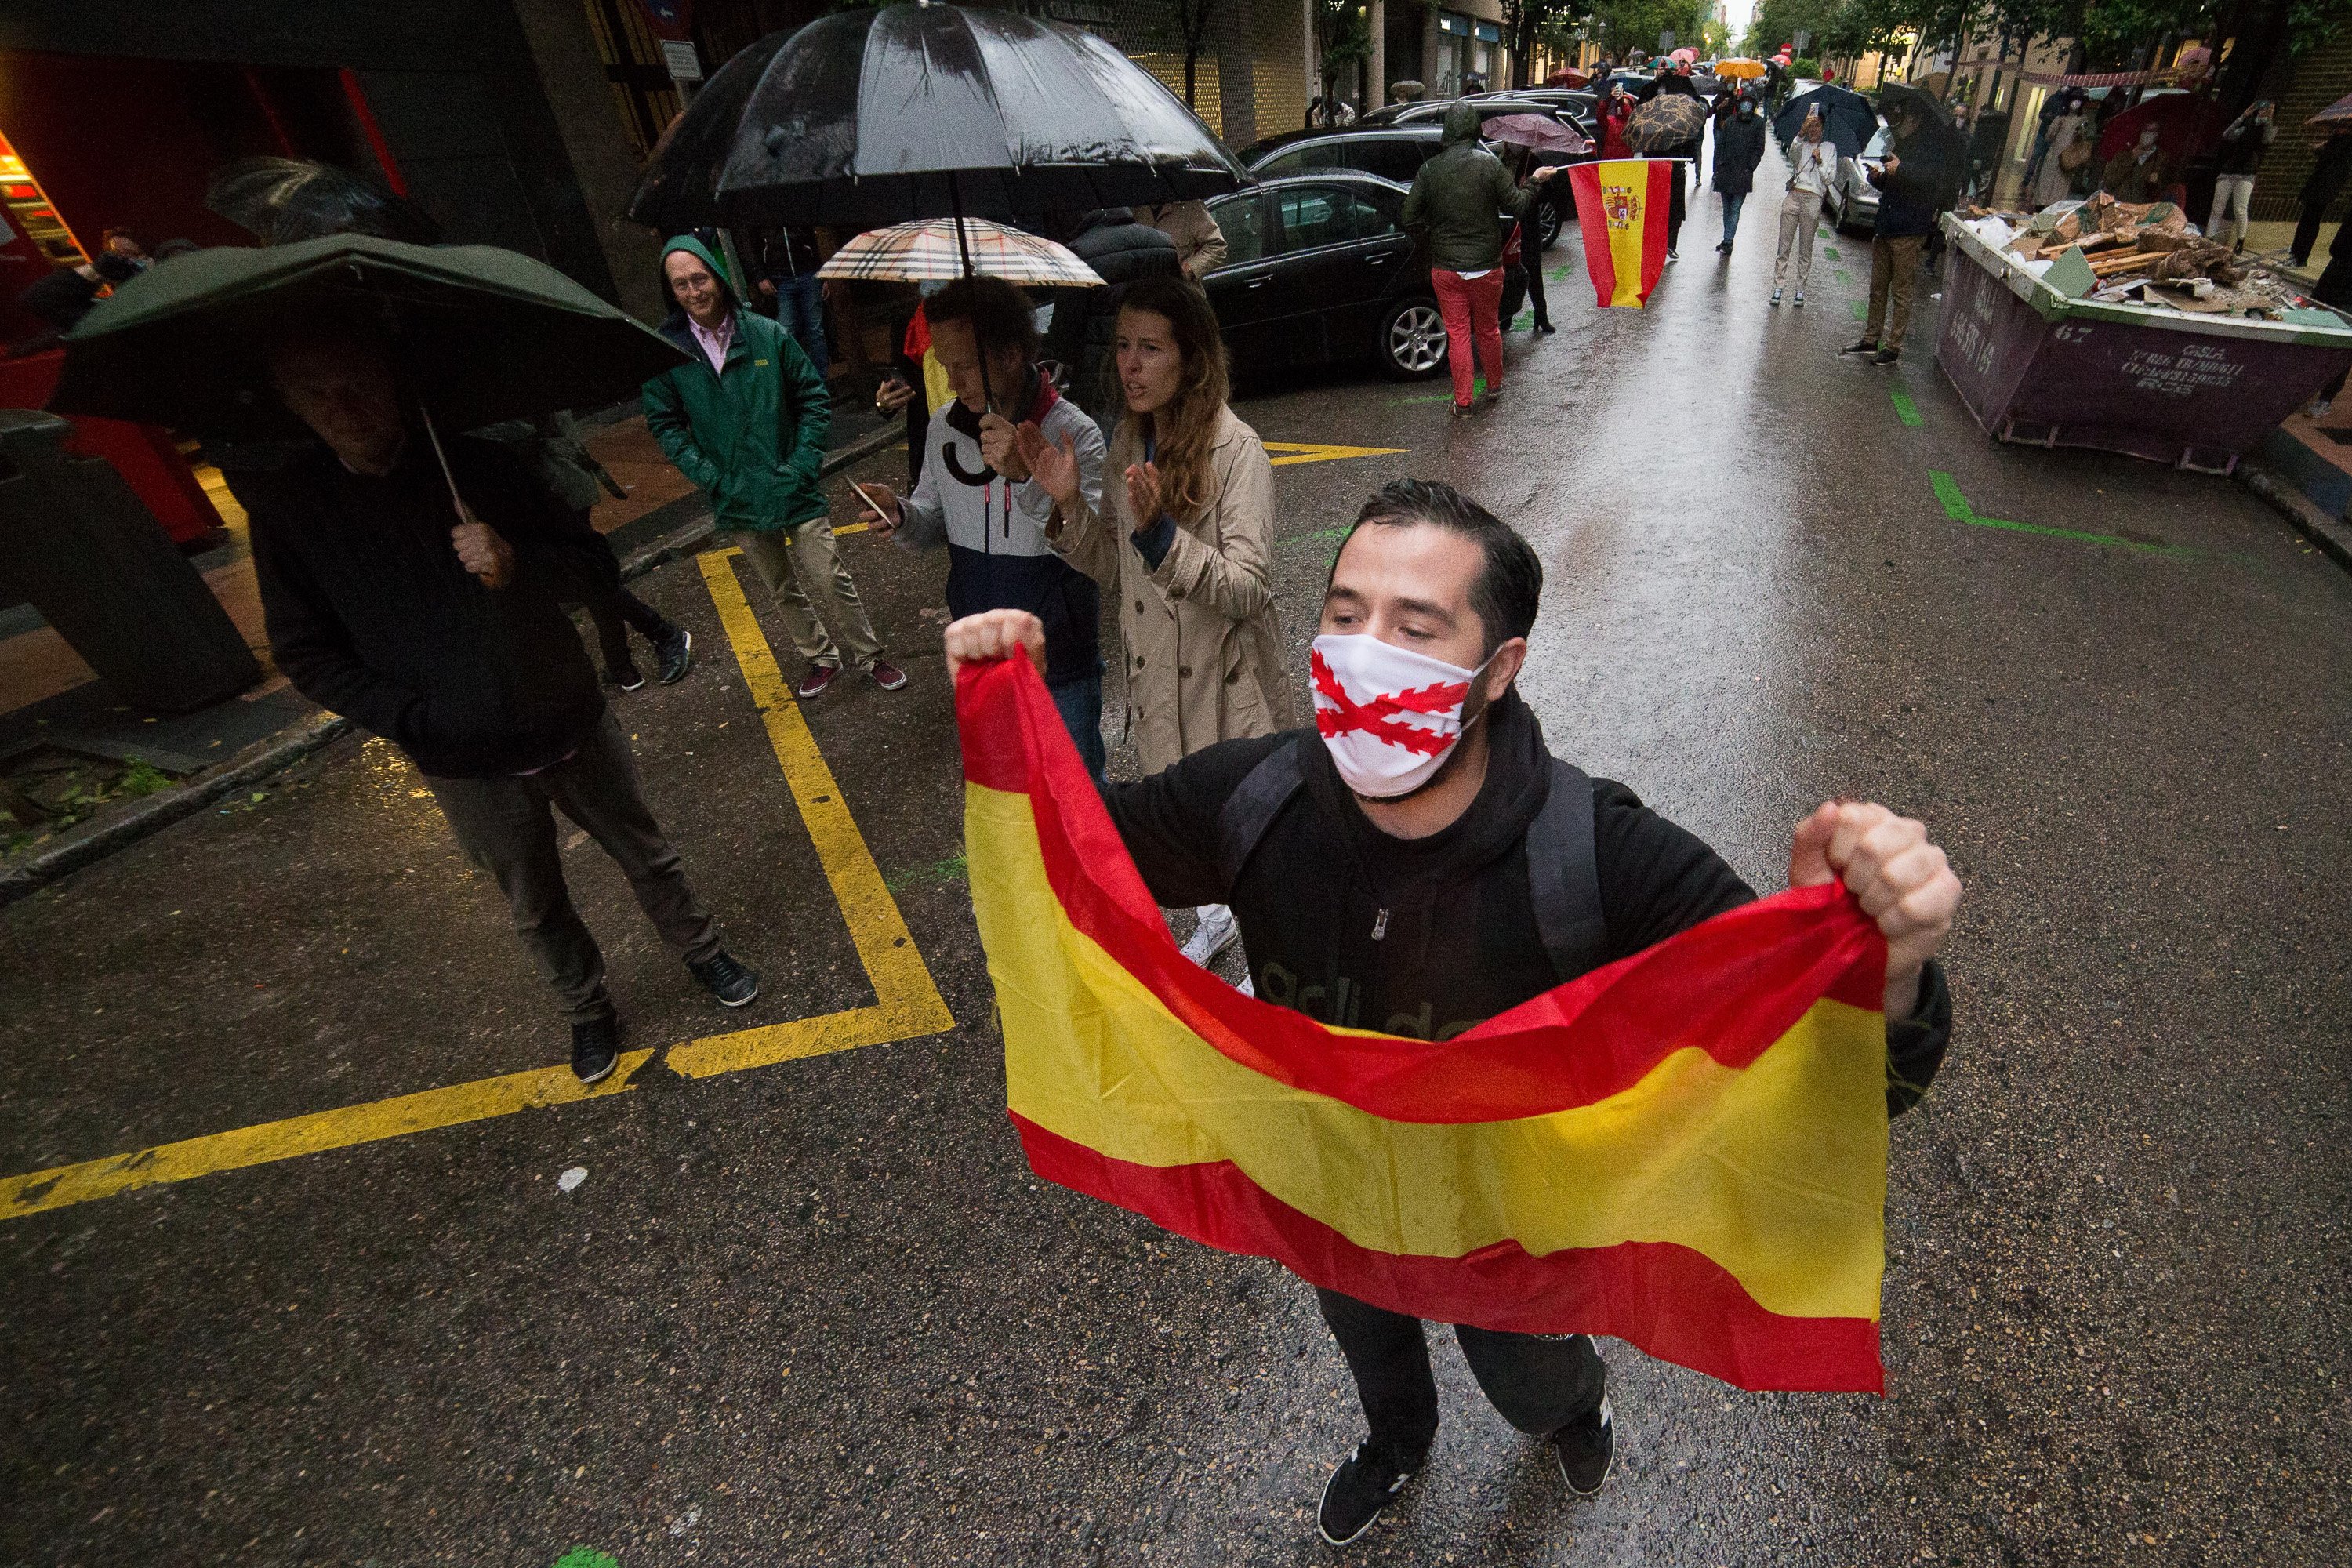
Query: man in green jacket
x,y
1459,202
747,422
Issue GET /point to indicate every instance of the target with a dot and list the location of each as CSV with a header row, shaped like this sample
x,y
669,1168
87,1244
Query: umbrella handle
x,y
963,248
465,513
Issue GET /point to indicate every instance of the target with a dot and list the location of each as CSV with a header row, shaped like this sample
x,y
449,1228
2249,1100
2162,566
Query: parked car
x,y
1852,200
1397,151
1319,269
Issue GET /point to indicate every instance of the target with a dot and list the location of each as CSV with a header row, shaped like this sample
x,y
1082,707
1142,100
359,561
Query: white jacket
x,y
1813,165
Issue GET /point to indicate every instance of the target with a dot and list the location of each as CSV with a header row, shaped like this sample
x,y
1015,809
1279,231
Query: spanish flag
x,y
1621,205
1687,1149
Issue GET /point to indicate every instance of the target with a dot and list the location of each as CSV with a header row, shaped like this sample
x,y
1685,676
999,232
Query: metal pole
x,y
963,249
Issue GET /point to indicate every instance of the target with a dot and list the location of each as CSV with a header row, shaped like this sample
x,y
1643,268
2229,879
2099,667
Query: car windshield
x,y
1879,144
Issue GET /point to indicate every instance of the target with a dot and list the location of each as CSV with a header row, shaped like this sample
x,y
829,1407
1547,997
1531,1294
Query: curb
x,y
160,811
2332,535
157,812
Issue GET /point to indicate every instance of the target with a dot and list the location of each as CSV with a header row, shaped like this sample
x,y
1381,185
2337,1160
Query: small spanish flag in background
x,y
1621,205
1687,1149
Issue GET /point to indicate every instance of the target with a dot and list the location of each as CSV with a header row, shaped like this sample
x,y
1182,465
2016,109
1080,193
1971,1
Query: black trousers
x,y
1531,262
1675,209
614,613
1539,1382
2306,225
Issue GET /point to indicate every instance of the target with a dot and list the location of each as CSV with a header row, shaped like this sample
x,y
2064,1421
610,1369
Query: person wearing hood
x,y
1122,250
1738,148
747,421
1405,888
979,498
1453,206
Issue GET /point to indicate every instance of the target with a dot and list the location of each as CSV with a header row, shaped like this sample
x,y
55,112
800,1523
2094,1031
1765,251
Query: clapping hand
x,y
1143,494
1053,467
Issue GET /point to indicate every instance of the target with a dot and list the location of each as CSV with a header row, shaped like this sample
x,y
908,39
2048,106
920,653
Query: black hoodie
x,y
1460,943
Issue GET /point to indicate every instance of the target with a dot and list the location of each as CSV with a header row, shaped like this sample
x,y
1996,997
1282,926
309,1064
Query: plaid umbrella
x,y
922,252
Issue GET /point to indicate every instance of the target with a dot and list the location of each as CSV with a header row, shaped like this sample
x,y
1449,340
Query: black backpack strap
x,y
1251,809
1564,876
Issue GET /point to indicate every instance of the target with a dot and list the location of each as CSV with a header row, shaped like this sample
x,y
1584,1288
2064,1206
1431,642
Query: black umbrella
x,y
876,117
281,200
1847,118
1895,97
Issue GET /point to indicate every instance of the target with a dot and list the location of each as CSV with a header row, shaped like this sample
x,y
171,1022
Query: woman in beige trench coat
x,y
1185,539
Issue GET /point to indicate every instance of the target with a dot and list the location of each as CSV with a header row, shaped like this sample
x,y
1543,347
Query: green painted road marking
x,y
1831,251
1860,311
1842,275
1956,507
1479,384
1905,409
1524,318
587,1557
1825,233
1557,275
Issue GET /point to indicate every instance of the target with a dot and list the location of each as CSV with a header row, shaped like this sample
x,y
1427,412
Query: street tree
x,y
1194,18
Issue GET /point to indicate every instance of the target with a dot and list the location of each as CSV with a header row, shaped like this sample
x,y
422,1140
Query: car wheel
x,y
1413,338
1549,223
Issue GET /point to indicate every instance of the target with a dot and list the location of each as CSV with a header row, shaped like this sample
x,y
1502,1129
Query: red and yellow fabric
x,y
1621,207
1687,1149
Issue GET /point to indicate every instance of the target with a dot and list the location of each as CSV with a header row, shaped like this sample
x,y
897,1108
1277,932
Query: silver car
x,y
1852,200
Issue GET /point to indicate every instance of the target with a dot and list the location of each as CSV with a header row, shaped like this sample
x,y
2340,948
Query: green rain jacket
x,y
1458,195
754,436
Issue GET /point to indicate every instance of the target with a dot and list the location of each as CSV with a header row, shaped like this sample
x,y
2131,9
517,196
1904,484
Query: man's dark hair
x,y
1509,585
999,312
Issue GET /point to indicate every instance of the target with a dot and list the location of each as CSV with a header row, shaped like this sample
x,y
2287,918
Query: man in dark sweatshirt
x,y
1908,185
1421,888
446,635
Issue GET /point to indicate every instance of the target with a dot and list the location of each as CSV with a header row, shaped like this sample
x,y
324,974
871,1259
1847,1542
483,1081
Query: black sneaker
x,y
1861,346
1585,1448
675,652
735,984
626,677
1887,356
1366,1482
595,1047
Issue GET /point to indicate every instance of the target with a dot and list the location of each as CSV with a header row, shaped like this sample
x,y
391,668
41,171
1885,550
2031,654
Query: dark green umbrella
x,y
478,334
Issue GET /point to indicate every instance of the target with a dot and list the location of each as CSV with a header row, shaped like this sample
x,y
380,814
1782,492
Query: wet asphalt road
x,y
819,1313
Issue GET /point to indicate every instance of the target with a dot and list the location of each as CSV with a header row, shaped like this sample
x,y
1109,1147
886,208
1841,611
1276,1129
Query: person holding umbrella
x,y
1454,202
747,421
1908,182
978,497
1812,166
1189,538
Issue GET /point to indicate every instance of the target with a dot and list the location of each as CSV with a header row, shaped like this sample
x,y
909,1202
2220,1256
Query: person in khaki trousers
x,y
1184,535
747,421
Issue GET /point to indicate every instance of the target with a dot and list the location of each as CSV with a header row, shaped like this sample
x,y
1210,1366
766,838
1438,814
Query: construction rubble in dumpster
x,y
2147,254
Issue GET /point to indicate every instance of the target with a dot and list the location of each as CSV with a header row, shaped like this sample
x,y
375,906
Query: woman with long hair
x,y
1187,537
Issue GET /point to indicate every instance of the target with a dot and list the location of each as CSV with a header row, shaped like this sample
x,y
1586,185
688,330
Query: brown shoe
x,y
886,676
813,683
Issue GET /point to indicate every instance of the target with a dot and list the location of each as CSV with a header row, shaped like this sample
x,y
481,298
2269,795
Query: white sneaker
x,y
2320,406
1245,986
1217,932
1776,296
1801,297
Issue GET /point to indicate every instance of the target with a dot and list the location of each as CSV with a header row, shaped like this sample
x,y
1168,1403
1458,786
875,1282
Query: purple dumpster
x,y
2039,365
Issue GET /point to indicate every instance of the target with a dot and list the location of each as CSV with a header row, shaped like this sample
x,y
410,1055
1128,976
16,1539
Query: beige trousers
x,y
1800,216
1894,271
800,565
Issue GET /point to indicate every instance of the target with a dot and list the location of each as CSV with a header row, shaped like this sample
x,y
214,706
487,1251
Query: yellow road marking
x,y
1314,452
907,1003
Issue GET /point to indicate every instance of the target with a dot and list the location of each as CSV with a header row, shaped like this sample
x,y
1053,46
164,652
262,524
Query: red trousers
x,y
1471,305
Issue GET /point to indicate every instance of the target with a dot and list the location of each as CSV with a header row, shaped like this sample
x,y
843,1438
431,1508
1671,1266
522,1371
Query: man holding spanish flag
x,y
1420,865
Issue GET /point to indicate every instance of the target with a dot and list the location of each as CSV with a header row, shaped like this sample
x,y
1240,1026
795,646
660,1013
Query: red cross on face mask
x,y
1389,716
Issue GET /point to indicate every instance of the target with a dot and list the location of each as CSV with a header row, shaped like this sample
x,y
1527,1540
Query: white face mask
x,y
1389,716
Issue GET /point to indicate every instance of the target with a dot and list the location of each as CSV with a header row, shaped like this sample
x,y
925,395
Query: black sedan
x,y
1397,152
1319,269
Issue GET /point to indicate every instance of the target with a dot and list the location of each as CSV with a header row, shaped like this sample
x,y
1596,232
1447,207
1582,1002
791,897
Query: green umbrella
x,y
480,334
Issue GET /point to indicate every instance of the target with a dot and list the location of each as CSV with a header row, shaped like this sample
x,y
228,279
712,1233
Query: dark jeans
x,y
506,827
1539,1382
614,613
1080,702
799,310
1532,263
2306,225
1732,202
